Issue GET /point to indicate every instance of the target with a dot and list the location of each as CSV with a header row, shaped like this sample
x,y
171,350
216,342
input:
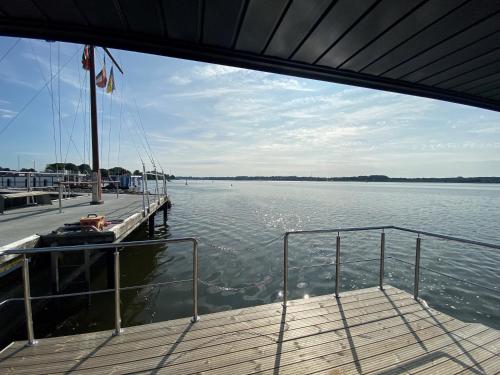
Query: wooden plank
x,y
352,310
209,349
372,357
232,353
272,310
318,358
365,331
450,352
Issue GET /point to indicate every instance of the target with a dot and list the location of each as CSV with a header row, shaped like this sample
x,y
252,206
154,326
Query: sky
x,y
197,119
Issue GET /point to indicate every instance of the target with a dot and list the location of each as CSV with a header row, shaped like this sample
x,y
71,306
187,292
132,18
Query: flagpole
x,y
96,172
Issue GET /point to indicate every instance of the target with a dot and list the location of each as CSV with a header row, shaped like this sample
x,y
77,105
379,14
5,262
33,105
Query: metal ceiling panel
x,y
379,20
335,24
55,12
455,43
481,85
422,17
221,21
461,69
100,14
462,18
22,9
147,16
261,18
457,58
442,49
299,19
183,19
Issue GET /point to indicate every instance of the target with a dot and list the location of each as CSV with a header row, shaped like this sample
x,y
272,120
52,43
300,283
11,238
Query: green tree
x,y
85,169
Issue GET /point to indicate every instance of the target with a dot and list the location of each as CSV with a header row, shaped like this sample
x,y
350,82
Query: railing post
x,y
145,188
382,260
417,269
285,269
60,196
118,318
157,187
337,267
195,317
27,302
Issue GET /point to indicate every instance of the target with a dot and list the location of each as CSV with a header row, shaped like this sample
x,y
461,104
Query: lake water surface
x,y
239,226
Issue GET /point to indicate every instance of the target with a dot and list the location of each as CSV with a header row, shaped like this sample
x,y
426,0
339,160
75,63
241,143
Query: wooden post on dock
x,y
151,225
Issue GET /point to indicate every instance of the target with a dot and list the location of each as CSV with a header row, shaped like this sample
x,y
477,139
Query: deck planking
x,y
366,331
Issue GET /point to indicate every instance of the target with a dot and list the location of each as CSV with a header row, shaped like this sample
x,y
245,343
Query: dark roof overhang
x,y
442,49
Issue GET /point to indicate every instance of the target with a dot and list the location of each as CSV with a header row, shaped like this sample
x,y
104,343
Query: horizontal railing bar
x,y
338,230
100,291
10,300
450,238
419,232
333,263
446,275
97,246
156,284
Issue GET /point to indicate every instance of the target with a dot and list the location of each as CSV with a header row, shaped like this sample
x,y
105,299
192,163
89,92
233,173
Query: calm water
x,y
239,229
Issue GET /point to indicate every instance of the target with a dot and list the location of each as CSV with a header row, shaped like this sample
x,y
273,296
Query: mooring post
x,y
54,271
86,260
165,214
151,225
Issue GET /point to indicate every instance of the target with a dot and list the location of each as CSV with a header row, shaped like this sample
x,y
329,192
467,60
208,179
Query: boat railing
x,y
116,248
418,247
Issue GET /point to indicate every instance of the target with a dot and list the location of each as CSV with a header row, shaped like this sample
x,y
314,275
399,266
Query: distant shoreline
x,y
371,178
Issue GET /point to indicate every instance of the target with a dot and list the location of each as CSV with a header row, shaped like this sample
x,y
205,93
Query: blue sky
x,y
203,119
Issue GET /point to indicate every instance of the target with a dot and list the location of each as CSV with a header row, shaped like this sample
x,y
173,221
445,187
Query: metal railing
x,y
416,265
27,297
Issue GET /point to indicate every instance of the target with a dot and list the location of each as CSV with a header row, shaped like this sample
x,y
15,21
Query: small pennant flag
x,y
86,58
101,79
111,82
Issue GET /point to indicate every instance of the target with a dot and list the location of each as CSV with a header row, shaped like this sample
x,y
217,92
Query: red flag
x,y
86,58
101,79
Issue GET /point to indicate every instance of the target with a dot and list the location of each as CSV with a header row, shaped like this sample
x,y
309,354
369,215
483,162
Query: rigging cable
x,y
74,119
47,83
109,132
53,112
59,100
10,49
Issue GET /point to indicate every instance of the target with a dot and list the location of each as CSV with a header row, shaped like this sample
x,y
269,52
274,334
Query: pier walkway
x,y
364,331
22,227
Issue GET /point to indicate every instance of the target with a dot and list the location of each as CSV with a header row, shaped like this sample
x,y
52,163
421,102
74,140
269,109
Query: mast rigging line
x,y
74,119
23,108
10,49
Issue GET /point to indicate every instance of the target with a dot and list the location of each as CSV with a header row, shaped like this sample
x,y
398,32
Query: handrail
x,y
382,252
27,298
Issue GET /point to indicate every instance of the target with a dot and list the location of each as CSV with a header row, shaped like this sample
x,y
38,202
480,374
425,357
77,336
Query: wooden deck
x,y
366,331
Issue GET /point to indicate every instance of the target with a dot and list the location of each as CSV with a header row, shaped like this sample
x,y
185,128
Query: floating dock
x,y
24,227
365,331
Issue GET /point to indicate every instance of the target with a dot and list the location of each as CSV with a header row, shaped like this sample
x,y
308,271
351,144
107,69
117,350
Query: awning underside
x,y
443,49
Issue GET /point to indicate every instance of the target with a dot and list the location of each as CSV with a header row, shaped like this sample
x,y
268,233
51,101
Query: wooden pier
x,y
364,331
23,227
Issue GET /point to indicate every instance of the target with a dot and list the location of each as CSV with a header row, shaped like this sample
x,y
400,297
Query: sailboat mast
x,y
96,172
